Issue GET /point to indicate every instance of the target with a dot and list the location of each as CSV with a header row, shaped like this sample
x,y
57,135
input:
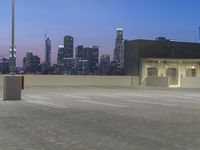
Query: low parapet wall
x,y
61,80
157,81
190,82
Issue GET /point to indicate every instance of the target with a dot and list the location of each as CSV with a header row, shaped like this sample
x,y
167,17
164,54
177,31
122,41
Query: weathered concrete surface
x,y
93,118
190,82
157,81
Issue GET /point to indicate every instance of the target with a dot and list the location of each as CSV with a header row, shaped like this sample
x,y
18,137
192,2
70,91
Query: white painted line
x,y
75,96
102,103
110,96
178,96
193,95
57,105
181,101
36,96
46,104
35,102
154,103
159,96
144,96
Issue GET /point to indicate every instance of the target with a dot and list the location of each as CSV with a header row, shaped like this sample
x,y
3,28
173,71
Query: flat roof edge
x,y
170,59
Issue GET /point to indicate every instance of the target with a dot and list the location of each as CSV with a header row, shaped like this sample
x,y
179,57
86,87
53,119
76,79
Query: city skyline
x,y
96,26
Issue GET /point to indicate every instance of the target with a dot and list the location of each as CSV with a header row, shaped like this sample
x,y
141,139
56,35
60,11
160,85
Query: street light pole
x,y
13,50
12,84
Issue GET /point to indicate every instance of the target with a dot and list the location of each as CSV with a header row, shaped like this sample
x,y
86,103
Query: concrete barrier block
x,y
12,87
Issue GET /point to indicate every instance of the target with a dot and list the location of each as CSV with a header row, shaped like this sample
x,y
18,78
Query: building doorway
x,y
172,73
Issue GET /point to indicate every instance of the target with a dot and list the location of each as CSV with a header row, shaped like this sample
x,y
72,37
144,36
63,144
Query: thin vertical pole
x,y
13,39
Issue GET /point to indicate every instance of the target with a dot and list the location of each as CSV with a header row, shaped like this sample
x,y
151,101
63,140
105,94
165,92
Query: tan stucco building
x,y
168,71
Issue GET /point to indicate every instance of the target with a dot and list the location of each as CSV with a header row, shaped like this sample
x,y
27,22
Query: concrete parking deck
x,y
101,118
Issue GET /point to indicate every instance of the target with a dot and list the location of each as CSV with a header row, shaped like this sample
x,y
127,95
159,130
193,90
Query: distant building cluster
x,y
79,60
162,57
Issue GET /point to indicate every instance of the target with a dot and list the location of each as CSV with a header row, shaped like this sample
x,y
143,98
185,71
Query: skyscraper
x,y
104,64
119,50
68,54
61,54
81,60
69,46
87,59
31,63
93,58
48,51
4,66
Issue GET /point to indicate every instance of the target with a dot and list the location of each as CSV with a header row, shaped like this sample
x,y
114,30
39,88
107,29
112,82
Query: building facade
x,y
68,47
166,68
104,64
93,58
61,54
4,66
87,59
162,59
81,60
137,49
119,51
31,63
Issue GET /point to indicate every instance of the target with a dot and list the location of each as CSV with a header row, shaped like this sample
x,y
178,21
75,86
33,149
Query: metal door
x,y
172,73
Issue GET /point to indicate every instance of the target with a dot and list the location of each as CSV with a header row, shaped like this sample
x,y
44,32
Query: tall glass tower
x,y
48,51
119,49
69,46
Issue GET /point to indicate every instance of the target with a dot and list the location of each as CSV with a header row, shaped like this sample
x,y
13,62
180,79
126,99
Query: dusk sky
x,y
93,22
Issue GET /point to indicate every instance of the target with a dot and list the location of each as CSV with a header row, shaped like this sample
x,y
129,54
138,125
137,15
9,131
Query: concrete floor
x,y
97,118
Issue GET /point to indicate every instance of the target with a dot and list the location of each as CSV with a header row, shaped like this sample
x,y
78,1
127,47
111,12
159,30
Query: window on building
x,y
152,72
191,73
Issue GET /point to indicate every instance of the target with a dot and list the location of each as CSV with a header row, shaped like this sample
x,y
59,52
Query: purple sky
x,y
93,22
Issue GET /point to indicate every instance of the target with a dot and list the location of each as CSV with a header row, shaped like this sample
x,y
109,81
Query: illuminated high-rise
x,y
119,50
69,46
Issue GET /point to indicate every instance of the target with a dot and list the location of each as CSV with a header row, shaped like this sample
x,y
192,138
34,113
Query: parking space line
x,y
110,96
144,96
159,96
102,103
153,103
181,101
46,104
37,97
75,96
178,96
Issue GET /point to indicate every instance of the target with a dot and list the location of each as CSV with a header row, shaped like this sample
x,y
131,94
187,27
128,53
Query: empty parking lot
x,y
101,118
